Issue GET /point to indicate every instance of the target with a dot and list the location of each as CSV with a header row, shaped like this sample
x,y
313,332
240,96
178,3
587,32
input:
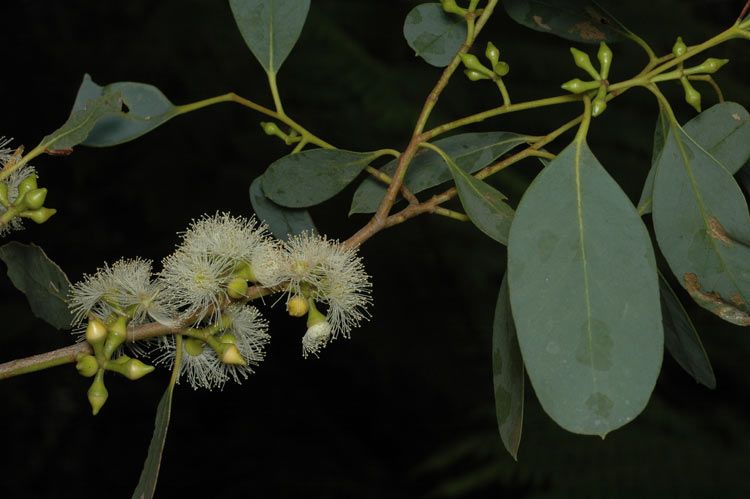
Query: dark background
x,y
403,409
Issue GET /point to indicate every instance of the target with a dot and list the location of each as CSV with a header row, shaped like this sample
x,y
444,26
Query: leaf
x,y
313,176
484,205
578,20
147,108
282,222
150,473
270,28
585,295
41,280
434,35
81,121
681,337
702,226
507,373
470,151
722,130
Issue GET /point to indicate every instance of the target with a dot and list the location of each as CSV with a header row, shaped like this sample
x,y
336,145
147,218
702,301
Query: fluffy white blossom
x,y
124,288
13,180
245,328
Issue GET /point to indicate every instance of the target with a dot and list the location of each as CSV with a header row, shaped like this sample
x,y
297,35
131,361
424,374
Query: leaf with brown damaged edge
x,y
713,301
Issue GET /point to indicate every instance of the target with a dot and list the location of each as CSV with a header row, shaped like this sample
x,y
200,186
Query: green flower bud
x,y
492,53
709,66
87,366
472,62
34,199
26,185
297,306
97,393
118,333
679,47
4,200
245,270
502,68
194,347
577,86
227,338
237,288
39,216
134,369
582,60
96,332
451,7
692,96
598,107
605,60
270,128
475,75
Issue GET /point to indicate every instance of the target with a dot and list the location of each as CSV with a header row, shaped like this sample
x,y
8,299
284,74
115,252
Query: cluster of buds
x,y
708,67
599,82
272,129
475,70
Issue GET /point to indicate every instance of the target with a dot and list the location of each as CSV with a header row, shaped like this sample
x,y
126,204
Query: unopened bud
x,y
34,199
39,216
577,86
502,68
87,366
451,7
237,288
582,60
709,66
692,96
118,333
679,47
297,306
605,60
27,184
270,128
194,347
134,369
475,75
97,393
231,355
227,338
492,53
96,332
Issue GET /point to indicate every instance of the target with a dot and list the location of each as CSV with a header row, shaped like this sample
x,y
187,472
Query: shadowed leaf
x,y
282,221
434,35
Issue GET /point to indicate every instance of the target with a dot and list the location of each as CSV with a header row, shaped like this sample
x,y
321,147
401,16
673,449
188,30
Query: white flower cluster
x,y
202,288
13,181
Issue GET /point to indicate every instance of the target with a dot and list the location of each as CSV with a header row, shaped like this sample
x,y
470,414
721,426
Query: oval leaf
x,y
578,20
484,204
270,27
507,374
147,108
41,280
282,221
722,130
681,338
151,466
82,121
434,35
470,151
585,295
312,176
702,226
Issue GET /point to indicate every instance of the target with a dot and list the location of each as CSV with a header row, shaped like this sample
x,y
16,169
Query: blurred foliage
x,y
405,408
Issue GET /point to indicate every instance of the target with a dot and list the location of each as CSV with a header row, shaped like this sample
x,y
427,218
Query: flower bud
x,y
270,128
577,86
709,66
96,332
97,393
679,47
582,60
605,60
692,96
39,216
598,106
134,369
245,270
34,199
27,184
297,306
475,75
502,68
87,366
237,288
451,7
227,338
492,53
472,62
231,355
118,333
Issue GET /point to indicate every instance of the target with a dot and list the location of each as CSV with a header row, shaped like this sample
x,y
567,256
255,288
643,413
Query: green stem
x,y
503,91
275,93
455,215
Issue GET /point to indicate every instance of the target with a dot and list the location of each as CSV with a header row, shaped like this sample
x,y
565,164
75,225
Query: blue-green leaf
x,y
470,151
41,280
507,373
281,221
147,108
82,120
150,474
434,35
484,205
722,130
270,27
681,337
702,226
313,176
585,295
578,20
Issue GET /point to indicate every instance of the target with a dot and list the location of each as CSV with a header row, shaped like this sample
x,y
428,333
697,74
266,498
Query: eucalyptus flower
x,y
11,184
